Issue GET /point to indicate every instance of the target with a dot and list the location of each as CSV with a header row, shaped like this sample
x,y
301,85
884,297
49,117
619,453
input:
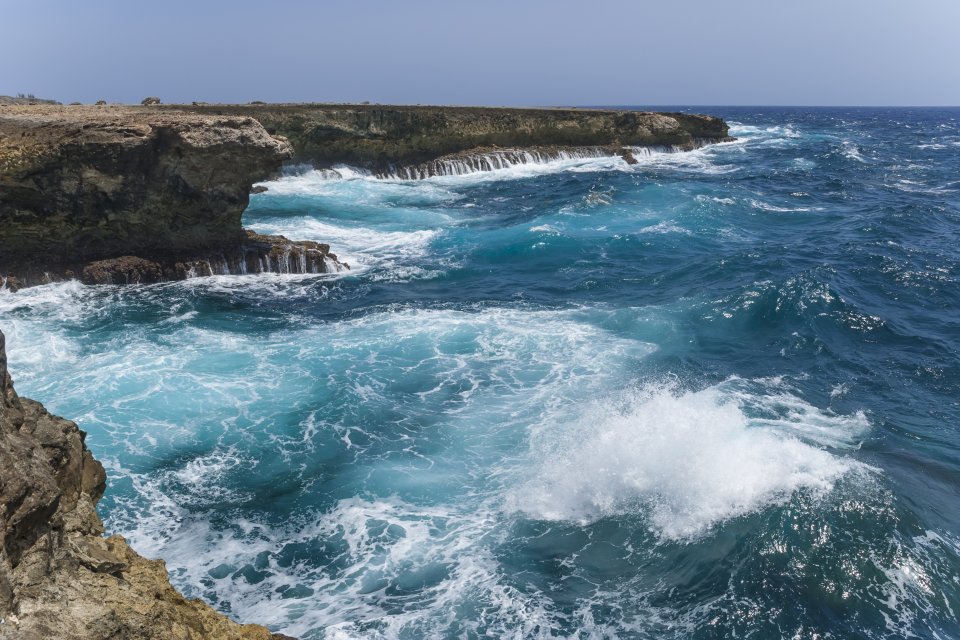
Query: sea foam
x,y
686,461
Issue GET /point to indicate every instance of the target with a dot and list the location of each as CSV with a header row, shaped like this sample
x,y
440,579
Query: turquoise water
x,y
711,395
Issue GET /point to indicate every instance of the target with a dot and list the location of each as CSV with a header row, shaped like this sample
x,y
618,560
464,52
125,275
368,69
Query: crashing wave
x,y
496,159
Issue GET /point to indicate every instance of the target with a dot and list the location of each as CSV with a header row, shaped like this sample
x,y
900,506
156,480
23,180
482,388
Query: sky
x,y
489,52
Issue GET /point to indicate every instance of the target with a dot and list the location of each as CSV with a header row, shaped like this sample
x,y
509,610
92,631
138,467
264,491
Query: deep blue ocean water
x,y
712,395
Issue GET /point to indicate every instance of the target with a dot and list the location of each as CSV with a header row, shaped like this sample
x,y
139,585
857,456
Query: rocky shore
x,y
120,195
137,194
59,577
383,138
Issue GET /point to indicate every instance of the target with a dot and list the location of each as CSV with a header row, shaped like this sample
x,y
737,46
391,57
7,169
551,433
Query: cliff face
x,y
114,194
108,182
59,578
157,196
382,138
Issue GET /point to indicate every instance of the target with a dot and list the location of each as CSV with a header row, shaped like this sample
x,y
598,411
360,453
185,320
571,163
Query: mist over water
x,y
710,395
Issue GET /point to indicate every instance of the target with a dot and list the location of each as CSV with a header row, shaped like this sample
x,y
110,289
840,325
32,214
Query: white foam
x,y
725,201
360,247
766,206
739,129
852,151
533,169
368,189
699,160
357,186
686,461
665,227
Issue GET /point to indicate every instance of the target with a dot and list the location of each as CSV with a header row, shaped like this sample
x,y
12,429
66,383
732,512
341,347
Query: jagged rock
x,y
258,253
58,577
10,283
123,270
258,189
627,156
98,555
277,254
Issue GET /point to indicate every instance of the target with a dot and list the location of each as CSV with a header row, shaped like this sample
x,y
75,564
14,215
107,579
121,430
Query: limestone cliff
x,y
83,184
59,578
383,137
118,194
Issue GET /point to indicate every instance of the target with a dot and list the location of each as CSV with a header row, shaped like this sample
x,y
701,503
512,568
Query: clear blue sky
x,y
539,52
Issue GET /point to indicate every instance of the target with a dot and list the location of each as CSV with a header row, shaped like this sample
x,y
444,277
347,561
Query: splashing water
x,y
708,395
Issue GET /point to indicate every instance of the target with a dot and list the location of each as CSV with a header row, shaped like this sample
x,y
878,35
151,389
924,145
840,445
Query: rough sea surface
x,y
712,395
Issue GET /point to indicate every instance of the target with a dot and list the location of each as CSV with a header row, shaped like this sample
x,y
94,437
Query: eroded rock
x,y
85,183
382,138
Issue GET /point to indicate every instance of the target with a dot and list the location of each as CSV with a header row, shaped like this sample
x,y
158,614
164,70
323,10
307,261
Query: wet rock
x,y
383,137
628,156
11,283
277,254
257,253
123,270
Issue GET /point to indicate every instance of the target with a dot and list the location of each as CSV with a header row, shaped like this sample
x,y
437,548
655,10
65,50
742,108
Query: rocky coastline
x,y
126,195
59,577
121,195
113,194
382,138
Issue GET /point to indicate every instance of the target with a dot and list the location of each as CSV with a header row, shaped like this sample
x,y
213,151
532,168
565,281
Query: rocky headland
x,y
59,577
129,195
137,194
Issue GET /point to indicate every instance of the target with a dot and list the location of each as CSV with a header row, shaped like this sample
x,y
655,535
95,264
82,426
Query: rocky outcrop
x,y
385,138
79,184
257,254
59,577
119,194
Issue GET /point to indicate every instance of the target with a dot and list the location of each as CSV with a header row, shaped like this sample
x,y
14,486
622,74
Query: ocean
x,y
715,394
